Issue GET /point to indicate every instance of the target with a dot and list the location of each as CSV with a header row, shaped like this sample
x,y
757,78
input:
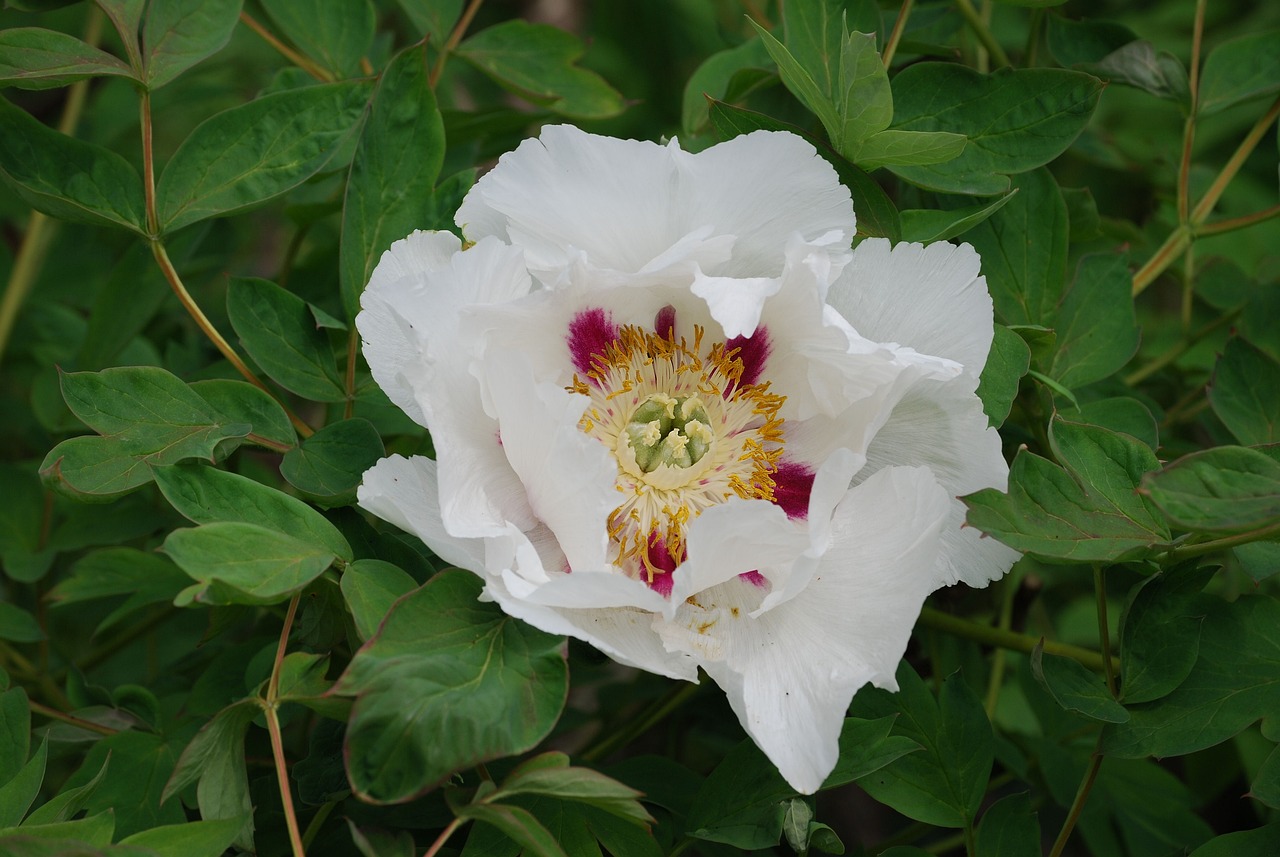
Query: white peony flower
x,y
677,418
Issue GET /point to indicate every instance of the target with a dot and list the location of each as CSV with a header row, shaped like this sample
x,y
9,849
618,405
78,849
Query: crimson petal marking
x,y
792,484
754,352
590,332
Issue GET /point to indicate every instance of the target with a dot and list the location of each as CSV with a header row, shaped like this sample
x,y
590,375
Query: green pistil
x,y
668,430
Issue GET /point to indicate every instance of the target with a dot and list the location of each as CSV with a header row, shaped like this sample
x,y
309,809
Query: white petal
x,y
405,492
734,538
790,673
942,426
736,303
930,298
625,203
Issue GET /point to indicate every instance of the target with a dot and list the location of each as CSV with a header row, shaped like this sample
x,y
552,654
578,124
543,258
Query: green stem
x,y
637,726
288,53
317,822
1077,805
975,22
987,635
1104,631
1181,347
1213,546
1163,258
459,30
272,712
349,386
1237,222
444,837
1241,154
1008,589
899,25
55,714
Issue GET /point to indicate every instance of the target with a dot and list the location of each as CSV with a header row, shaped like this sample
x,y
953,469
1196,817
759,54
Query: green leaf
x,y
1024,251
207,495
1096,326
1266,783
1079,42
193,839
1234,682
240,563
1089,512
1007,362
897,148
126,15
278,330
382,843
432,18
712,80
1245,393
519,824
18,625
1137,64
177,34
536,62
1240,70
1228,489
140,764
249,154
94,830
15,732
329,465
244,403
1259,842
877,216
576,784
1074,687
944,783
336,35
215,761
22,554
35,58
146,416
444,663
1015,120
17,795
68,178
743,801
389,195
1161,633
1009,828
1120,414
928,225
370,587
68,802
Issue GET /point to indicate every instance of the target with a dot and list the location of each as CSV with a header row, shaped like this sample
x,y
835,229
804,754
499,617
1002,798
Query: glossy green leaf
x,y
390,195
1245,393
215,761
537,62
1096,326
177,34
928,225
336,35
1009,828
241,563
193,839
242,402
517,823
944,783
370,587
146,417
1024,251
206,495
1233,683
35,58
877,216
1139,65
278,330
743,801
1228,489
329,465
1239,70
1007,362
250,154
1015,120
1074,687
68,178
445,664
1161,634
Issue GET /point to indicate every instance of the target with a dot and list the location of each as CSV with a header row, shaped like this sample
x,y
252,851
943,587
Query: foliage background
x,y
156,673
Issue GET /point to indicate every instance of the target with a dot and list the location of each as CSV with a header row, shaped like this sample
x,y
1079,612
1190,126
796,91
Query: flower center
x,y
687,435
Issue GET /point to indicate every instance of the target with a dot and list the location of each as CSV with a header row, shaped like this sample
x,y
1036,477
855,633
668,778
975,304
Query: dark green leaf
x,y
193,839
249,154
94,830
370,587
1015,120
206,495
389,195
1074,687
1161,634
146,416
1120,414
239,563
177,34
1259,560
1244,68
278,330
943,784
926,225
1259,842
1109,466
1229,489
1234,682
519,824
1137,64
536,62
1245,393
68,178
336,35
743,801
1009,828
329,465
215,761
34,58
576,784
21,553
244,403
1266,783
382,843
432,18
18,625
711,81
126,15
1096,326
1079,42
1007,362
68,802
445,664
140,764
15,732
17,795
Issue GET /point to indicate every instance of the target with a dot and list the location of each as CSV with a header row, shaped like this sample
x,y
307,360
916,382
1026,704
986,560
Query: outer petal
x,y
625,203
942,426
930,298
790,673
406,492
